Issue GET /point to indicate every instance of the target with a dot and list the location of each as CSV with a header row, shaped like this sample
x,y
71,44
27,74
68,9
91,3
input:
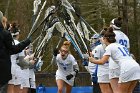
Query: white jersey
x,y
121,56
91,68
15,69
14,57
65,67
122,39
98,53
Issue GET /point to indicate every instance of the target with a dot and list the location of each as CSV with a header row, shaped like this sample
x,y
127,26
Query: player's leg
x,y
17,85
17,88
114,84
124,87
104,83
11,83
68,88
10,88
132,86
106,88
60,85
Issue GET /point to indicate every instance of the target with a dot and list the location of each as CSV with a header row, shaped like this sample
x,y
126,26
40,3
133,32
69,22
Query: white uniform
x,y
65,67
129,68
15,69
19,76
103,70
91,68
122,39
25,78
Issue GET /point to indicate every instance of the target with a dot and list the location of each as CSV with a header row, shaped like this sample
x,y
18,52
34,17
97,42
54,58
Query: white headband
x,y
17,33
113,25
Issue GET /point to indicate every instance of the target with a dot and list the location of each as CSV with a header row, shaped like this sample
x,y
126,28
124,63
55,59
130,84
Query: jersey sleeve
x,y
107,51
74,62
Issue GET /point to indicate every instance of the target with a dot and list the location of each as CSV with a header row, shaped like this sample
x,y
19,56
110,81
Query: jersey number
x,y
124,51
123,42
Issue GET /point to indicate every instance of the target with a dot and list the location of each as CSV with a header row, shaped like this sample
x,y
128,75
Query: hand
x,y
91,59
91,54
32,62
68,77
27,58
55,51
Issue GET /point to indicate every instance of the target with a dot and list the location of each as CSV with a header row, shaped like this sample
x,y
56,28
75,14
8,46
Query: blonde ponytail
x,y
66,44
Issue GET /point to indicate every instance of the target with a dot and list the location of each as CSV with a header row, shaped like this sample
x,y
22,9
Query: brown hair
x,y
14,27
110,35
118,21
103,31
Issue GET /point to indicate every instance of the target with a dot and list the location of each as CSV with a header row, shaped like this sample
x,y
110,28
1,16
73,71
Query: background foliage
x,y
98,13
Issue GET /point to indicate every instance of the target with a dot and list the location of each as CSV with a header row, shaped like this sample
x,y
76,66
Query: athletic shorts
x,y
131,75
114,73
25,83
15,80
32,83
104,79
70,82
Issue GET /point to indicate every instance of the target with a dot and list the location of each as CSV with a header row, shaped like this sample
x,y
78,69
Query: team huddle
x,y
117,70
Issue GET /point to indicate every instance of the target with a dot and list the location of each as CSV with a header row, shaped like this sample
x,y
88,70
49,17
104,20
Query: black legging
x,y
96,88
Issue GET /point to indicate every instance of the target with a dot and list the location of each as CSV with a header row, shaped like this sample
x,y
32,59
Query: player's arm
x,y
101,61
